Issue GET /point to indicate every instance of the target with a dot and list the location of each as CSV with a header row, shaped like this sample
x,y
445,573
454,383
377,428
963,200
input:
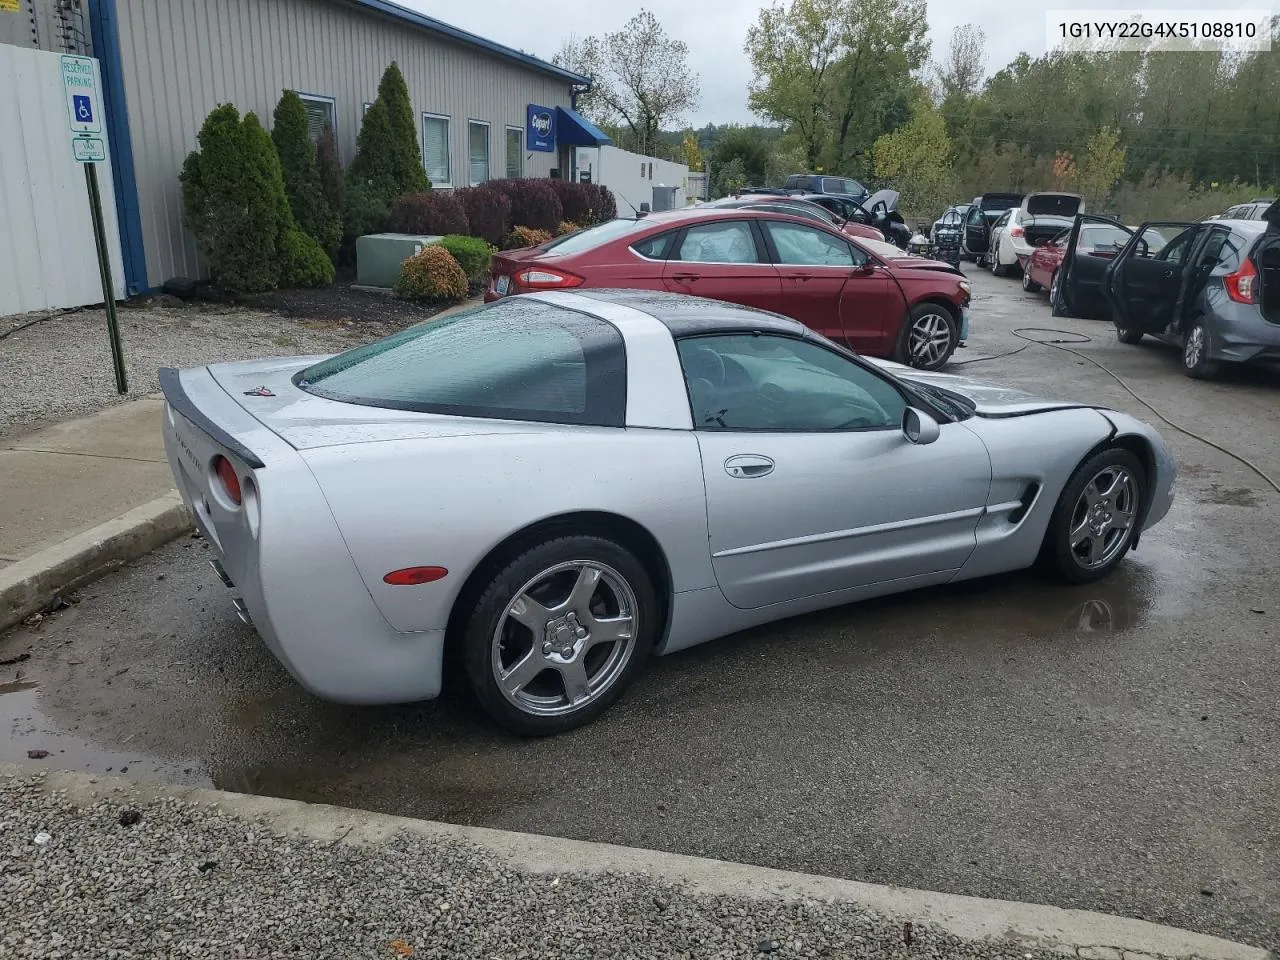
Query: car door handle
x,y
746,466
685,277
797,276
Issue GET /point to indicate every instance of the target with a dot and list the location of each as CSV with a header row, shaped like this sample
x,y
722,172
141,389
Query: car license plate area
x,y
501,285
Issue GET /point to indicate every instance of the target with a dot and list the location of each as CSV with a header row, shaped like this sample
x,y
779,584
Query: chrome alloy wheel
x,y
930,340
1054,283
1104,516
565,638
1194,350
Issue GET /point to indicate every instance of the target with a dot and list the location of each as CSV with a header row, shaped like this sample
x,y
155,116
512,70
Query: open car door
x,y
977,232
1144,284
1079,290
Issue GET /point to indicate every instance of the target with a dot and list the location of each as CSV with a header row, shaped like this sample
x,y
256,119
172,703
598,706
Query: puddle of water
x,y
29,729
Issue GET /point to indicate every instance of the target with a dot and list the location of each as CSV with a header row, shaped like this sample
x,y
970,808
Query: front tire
x,y
928,338
1195,353
1096,517
559,633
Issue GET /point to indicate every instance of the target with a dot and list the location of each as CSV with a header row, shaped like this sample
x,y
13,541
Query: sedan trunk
x,y
1040,230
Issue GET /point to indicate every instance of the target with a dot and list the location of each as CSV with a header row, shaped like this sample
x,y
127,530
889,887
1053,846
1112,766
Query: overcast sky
x,y
715,31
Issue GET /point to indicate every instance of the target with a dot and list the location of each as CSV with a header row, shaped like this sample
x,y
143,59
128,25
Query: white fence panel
x,y
47,255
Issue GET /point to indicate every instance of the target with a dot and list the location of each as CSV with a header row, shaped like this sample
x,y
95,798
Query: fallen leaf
x,y
37,754
401,948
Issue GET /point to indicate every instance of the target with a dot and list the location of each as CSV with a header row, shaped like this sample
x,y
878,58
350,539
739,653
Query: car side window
x,y
1176,251
834,185
805,246
728,241
974,218
652,247
761,382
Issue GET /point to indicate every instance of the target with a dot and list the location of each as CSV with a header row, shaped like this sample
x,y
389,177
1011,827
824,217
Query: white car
x,y
1040,218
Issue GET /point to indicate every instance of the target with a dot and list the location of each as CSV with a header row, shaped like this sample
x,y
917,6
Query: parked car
x,y
800,207
1253,210
1211,288
853,211
882,208
1097,244
982,215
868,295
821,183
953,216
1037,220
556,486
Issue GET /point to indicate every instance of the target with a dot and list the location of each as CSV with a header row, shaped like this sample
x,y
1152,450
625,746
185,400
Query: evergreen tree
x,y
311,209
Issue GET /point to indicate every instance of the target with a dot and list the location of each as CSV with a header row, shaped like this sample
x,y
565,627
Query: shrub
x,y
432,275
608,209
307,201
365,212
533,203
303,262
329,166
233,200
433,212
472,254
566,227
488,212
525,237
578,200
388,157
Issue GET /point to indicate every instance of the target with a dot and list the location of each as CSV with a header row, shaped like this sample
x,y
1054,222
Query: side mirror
x,y
919,427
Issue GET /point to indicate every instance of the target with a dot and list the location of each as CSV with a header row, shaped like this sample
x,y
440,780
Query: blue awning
x,y
575,130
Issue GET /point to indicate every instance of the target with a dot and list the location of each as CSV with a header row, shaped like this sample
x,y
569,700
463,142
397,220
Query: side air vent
x,y
1026,500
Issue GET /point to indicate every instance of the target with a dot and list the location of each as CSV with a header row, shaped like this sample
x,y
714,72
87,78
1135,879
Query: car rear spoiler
x,y
176,396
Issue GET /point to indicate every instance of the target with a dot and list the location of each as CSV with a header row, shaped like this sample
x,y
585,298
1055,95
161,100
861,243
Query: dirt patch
x,y
1229,496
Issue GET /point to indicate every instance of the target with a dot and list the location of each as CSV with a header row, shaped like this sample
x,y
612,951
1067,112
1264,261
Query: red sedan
x,y
1097,246
866,294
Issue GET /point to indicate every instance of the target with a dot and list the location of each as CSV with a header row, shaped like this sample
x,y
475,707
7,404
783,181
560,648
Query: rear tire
x,y
1128,335
1195,353
1028,284
551,610
998,269
1085,540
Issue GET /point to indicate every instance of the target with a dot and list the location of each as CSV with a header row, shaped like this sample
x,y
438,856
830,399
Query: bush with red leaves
x,y
436,212
533,203
488,212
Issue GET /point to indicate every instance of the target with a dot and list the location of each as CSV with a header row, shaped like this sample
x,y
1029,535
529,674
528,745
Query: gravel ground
x,y
61,367
175,878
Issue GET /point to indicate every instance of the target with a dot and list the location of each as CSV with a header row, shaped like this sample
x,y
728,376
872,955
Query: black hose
x,y
1058,344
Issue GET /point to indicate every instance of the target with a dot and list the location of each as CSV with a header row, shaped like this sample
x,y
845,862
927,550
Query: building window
x,y
365,109
478,151
321,113
515,152
435,150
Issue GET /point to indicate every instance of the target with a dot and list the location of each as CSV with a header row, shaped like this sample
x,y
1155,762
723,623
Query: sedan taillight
x,y
1241,285
545,278
1016,231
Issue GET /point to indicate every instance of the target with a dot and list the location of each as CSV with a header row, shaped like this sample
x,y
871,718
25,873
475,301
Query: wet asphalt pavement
x,y
1110,747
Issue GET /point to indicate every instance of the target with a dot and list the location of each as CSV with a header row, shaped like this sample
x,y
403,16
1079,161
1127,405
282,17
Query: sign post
x,y
84,115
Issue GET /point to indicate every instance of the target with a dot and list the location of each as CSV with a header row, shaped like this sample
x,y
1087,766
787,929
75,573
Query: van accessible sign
x,y
540,129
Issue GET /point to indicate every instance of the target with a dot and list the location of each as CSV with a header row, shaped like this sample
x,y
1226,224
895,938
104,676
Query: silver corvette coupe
x,y
557,485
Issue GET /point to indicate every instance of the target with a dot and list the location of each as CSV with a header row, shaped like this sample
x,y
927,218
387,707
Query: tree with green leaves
x,y
691,153
329,167
310,207
916,158
388,159
729,178
1101,166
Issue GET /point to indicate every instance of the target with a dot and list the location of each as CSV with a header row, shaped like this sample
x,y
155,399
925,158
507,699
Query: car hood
x,y
888,197
265,389
987,399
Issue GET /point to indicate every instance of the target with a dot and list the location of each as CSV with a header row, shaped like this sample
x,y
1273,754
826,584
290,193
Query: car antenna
x,y
639,215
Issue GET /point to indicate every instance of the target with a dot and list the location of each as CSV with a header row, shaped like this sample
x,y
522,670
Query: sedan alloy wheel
x,y
931,339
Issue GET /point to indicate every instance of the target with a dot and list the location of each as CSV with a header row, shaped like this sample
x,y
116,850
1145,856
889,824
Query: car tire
x,y
998,269
919,342
1084,541
1128,335
1028,284
1195,353
567,588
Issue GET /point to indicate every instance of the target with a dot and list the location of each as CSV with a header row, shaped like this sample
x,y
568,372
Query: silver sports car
x,y
559,484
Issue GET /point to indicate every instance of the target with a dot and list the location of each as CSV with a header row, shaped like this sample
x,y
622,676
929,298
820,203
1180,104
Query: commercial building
x,y
485,110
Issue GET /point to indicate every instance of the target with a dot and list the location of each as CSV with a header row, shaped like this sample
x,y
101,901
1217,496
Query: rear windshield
x,y
593,237
517,359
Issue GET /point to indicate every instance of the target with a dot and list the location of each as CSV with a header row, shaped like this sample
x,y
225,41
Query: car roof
x,y
685,315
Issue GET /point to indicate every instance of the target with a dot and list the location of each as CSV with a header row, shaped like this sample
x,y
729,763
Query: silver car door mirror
x,y
919,427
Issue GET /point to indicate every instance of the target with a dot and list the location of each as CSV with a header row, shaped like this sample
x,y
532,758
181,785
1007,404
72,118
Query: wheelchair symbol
x,y
83,107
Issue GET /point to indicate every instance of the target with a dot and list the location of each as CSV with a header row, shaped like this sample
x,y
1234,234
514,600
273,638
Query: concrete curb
x,y
31,583
1081,933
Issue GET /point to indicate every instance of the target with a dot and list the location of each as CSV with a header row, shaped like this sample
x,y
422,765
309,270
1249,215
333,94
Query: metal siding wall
x,y
48,259
182,58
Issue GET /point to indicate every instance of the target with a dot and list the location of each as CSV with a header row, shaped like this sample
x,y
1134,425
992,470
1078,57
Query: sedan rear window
x,y
517,359
595,236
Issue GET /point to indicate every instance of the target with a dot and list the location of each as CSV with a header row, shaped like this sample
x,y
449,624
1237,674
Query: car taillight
x,y
544,278
1016,231
227,476
1240,285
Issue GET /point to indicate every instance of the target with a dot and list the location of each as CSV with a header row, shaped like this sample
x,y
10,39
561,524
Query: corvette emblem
x,y
259,392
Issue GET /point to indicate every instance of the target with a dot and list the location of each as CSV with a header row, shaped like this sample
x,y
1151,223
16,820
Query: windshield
x,y
517,359
596,236
1102,237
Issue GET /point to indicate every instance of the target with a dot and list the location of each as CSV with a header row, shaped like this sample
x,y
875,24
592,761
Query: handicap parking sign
x,y
83,107
80,81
